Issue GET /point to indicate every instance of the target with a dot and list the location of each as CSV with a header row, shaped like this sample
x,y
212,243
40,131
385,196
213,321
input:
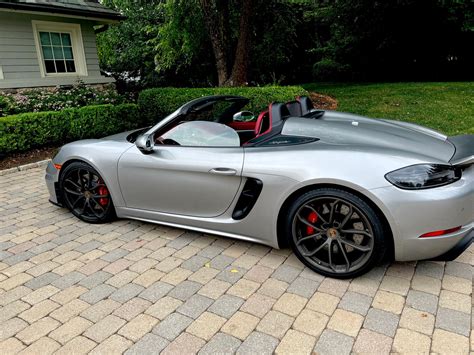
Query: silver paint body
x,y
174,185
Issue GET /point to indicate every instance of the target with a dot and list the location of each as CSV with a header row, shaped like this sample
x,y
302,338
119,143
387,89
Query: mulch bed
x,y
320,101
32,156
323,102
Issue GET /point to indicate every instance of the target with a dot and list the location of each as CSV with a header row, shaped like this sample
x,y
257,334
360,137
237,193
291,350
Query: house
x,y
46,43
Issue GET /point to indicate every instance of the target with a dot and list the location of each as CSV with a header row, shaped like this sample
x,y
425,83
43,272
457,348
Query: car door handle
x,y
223,171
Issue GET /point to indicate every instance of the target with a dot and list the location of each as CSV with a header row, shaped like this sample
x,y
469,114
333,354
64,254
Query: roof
x,y
86,8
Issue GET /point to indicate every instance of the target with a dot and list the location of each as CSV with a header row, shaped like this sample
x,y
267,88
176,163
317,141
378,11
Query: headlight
x,y
423,176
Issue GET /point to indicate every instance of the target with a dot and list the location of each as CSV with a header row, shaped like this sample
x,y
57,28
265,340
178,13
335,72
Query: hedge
x,y
30,130
155,104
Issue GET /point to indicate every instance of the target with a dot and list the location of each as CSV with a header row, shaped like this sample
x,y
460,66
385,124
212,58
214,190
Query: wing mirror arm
x,y
145,143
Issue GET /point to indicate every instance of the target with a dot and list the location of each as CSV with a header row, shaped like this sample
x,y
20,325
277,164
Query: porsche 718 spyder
x,y
343,191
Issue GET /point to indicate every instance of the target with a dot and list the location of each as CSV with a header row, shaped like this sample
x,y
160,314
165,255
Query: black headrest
x,y
306,104
277,112
294,107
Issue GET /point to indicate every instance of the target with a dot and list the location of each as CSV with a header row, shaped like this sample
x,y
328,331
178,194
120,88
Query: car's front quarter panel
x,y
102,155
416,212
409,213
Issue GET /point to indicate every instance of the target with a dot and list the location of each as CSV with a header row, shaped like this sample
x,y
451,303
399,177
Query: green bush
x,y
30,130
155,104
40,100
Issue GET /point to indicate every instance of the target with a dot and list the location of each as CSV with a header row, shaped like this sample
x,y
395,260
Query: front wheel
x,y
335,233
85,194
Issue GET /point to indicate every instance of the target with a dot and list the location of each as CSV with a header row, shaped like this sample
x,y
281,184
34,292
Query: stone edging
x,y
38,164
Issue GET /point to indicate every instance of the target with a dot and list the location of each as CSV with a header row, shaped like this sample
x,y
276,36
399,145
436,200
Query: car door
x,y
199,181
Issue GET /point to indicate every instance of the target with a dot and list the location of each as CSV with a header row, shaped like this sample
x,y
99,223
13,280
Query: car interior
x,y
267,124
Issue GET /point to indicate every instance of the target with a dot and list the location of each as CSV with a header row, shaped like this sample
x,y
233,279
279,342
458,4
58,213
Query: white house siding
x,y
18,56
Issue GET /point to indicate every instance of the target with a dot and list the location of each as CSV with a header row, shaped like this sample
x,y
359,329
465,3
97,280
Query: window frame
x,y
74,31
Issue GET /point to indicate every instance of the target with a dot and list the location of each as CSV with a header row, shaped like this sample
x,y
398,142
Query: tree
x,y
211,25
124,49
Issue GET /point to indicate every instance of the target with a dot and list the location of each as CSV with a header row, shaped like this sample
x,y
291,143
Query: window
x,y
60,49
57,52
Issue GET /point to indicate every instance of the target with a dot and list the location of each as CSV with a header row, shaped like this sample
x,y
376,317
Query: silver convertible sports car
x,y
343,191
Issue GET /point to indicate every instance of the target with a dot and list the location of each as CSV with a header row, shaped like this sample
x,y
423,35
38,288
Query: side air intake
x,y
247,198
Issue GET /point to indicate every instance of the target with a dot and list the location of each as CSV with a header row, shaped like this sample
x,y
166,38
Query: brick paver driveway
x,y
69,287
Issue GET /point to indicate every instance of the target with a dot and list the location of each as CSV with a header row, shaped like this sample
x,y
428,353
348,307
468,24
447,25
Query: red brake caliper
x,y
103,201
312,218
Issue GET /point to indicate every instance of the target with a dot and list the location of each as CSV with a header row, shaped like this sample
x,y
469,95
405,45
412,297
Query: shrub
x,y
39,100
36,129
155,104
327,69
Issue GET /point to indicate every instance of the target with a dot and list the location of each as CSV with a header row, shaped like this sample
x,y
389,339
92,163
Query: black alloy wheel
x,y
85,194
335,233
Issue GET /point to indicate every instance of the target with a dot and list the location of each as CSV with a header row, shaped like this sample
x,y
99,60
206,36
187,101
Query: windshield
x,y
201,133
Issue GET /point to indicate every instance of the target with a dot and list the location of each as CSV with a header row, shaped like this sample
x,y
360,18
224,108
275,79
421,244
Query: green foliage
x,y
7,105
447,107
157,103
36,129
37,100
165,42
393,40
125,49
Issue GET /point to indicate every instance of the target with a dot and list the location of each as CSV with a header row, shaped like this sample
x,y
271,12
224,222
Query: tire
x,y
85,194
342,239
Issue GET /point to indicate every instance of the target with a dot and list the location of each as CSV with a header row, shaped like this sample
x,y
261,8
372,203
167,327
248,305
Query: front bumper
x,y
412,213
458,249
51,179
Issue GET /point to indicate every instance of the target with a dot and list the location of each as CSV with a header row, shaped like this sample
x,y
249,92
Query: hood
x,y
339,128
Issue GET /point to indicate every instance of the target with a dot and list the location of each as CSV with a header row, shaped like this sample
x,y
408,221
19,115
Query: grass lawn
x,y
446,107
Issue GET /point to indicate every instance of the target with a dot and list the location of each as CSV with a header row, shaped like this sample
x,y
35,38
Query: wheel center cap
x,y
332,233
87,194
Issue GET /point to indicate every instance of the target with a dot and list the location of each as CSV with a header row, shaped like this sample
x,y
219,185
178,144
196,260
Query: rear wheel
x,y
85,194
335,233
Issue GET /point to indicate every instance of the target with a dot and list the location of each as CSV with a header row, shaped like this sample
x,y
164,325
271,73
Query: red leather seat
x,y
263,124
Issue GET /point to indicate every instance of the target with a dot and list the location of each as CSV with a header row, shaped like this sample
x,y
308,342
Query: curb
x,y
38,164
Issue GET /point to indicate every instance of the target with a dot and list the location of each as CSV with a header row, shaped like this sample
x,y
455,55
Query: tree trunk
x,y
239,73
215,20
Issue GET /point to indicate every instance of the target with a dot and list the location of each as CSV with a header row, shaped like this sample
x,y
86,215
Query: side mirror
x,y
243,116
145,143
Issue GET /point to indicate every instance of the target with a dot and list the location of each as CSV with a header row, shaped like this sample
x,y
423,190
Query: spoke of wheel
x,y
98,204
96,186
69,181
99,196
330,254
302,220
77,200
333,209
307,238
356,231
316,250
344,254
83,209
89,179
81,180
72,192
348,217
356,246
94,212
317,213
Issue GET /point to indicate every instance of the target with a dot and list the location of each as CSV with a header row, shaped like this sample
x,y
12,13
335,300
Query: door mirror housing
x,y
243,116
145,143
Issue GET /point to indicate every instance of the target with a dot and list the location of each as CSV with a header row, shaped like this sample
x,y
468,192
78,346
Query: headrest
x,y
306,104
294,107
277,112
